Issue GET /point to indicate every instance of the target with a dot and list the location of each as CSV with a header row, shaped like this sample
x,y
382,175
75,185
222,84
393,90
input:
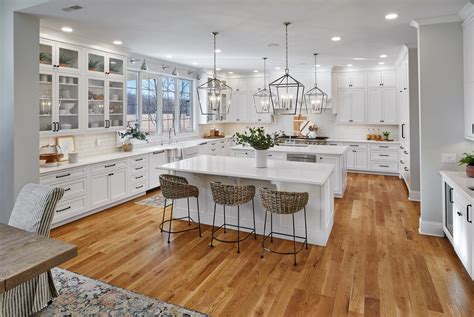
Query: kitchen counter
x,y
314,178
119,155
310,149
295,172
361,141
461,180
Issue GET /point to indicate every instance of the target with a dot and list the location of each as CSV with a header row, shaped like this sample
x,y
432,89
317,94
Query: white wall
x,y
18,107
440,57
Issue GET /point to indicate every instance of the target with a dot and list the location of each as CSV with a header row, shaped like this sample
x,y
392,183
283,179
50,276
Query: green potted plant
x,y
64,60
132,132
468,159
386,135
259,141
45,58
93,65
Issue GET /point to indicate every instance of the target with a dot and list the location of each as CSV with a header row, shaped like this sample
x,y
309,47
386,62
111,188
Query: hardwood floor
x,y
375,264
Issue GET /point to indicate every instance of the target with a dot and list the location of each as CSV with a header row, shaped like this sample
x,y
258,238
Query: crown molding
x,y
437,20
467,11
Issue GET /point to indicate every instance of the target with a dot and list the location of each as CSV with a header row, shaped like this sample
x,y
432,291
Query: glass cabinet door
x,y
68,111
115,66
46,101
68,58
116,103
96,103
46,54
95,63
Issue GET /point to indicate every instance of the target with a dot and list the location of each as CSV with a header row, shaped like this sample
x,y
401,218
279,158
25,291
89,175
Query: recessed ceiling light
x,y
318,65
230,73
273,45
169,56
359,58
195,63
117,42
391,16
218,69
218,51
255,71
381,63
383,56
67,29
277,68
349,65
336,38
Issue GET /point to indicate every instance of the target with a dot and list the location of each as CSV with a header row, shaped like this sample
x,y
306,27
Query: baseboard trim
x,y
431,228
413,195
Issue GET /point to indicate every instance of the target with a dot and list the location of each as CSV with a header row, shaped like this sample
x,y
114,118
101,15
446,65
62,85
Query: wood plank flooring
x,y
375,264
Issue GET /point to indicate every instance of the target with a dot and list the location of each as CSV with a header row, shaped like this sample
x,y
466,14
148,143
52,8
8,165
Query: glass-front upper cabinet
x,y
116,107
96,103
103,63
59,56
59,101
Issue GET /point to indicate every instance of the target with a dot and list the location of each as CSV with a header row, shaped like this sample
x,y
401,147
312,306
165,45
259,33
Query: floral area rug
x,y
83,296
154,201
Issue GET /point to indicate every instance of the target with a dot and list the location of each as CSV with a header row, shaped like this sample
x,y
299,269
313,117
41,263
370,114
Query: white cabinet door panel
x,y
327,159
343,80
389,78
118,184
99,190
374,105
357,80
361,159
357,105
389,105
344,105
374,79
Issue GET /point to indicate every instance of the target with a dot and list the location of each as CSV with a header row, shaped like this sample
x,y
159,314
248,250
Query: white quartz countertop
x,y
280,171
461,179
360,141
120,155
310,149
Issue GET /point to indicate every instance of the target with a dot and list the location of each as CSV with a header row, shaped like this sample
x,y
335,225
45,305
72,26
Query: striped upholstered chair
x,y
33,212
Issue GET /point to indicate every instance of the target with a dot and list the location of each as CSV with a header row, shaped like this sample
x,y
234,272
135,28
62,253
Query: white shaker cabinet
x,y
351,80
156,159
59,56
382,105
383,78
351,103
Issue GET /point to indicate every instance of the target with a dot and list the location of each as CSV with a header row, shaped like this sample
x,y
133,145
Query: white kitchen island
x,y
314,178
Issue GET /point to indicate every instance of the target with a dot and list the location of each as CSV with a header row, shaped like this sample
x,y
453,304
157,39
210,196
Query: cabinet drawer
x,y
277,156
74,188
384,146
63,176
384,155
390,167
138,187
137,160
139,177
69,208
355,146
138,169
111,165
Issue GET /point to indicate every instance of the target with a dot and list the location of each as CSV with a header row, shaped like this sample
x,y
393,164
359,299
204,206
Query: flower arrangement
x,y
256,138
132,132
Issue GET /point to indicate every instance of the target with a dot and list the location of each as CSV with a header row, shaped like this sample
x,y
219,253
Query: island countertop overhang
x,y
276,171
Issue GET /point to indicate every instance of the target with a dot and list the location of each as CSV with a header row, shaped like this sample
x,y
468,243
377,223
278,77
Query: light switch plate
x,y
98,142
448,157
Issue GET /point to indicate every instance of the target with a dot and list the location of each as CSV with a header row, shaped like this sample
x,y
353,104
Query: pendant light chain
x,y
264,73
215,71
315,70
286,46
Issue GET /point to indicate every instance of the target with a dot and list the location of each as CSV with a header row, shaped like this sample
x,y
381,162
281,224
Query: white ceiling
x,y
181,28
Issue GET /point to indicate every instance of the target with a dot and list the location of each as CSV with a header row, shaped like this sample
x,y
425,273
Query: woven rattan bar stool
x,y
283,203
177,187
232,195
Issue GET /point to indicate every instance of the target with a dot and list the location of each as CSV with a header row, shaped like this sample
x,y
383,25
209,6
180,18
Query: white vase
x,y
261,158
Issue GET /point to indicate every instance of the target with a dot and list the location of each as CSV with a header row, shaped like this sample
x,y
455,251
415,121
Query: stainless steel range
x,y
286,140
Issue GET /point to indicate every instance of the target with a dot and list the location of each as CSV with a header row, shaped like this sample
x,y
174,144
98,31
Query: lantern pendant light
x,y
261,98
286,93
215,95
315,98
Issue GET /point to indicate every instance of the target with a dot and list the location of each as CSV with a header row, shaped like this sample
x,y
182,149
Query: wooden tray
x,y
213,137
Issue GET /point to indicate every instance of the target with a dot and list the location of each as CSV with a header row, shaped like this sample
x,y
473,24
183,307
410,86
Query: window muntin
x,y
185,105
149,103
169,103
132,97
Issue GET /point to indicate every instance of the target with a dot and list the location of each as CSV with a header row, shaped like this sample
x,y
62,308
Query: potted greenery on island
x,y
258,140
468,159
132,132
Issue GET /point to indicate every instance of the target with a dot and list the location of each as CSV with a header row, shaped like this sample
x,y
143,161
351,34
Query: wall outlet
x,y
448,158
98,142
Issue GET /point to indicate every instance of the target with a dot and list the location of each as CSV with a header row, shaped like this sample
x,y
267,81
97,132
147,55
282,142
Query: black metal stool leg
x,y
271,227
305,228
254,226
294,236
171,220
263,241
199,217
225,229
238,229
162,222
213,223
189,215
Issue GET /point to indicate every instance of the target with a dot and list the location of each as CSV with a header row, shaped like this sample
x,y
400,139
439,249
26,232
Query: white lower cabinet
x,y
357,157
156,159
457,221
108,187
338,171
